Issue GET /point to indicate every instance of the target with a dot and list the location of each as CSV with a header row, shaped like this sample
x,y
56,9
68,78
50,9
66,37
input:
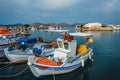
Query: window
x,y
66,46
60,44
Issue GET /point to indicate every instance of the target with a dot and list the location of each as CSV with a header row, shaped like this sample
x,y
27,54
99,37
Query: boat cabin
x,y
65,49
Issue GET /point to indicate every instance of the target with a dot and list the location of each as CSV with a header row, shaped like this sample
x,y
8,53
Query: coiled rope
x,y
15,74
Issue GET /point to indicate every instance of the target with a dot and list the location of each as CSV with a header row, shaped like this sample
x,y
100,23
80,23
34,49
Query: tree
x,y
26,25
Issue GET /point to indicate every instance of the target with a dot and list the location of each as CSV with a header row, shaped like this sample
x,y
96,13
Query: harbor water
x,y
106,65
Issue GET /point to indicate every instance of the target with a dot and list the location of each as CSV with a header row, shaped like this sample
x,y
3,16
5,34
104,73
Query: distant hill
x,y
63,24
74,24
12,25
36,24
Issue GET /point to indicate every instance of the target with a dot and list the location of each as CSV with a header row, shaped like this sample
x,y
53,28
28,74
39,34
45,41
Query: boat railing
x,y
79,55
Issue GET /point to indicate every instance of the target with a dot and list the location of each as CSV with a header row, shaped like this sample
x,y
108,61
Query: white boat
x,y
65,58
18,55
33,28
23,50
3,44
5,39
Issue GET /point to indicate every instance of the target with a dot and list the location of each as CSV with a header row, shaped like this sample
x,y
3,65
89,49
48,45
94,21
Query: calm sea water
x,y
106,65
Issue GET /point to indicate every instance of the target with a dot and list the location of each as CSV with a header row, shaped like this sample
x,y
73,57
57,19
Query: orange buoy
x,y
82,48
89,40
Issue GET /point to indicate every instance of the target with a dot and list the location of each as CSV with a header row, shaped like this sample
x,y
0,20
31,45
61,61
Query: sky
x,y
59,11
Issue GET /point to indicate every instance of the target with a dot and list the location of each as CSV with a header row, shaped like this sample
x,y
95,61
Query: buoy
x,y
82,48
92,60
89,40
29,63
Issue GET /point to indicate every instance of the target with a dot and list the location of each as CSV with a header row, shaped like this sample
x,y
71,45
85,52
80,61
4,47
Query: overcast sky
x,y
58,11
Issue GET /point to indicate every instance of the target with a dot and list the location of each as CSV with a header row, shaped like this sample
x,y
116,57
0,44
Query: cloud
x,y
47,4
111,6
42,8
59,10
57,4
103,7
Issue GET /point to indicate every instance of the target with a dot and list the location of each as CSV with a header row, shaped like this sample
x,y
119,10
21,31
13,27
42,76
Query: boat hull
x,y
38,72
17,56
2,54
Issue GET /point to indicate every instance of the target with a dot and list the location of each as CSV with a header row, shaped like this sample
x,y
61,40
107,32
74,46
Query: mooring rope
x,y
17,62
53,74
15,74
2,68
2,58
5,62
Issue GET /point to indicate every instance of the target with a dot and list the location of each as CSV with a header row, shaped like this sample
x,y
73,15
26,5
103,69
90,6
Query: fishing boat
x,y
5,38
66,58
20,51
18,54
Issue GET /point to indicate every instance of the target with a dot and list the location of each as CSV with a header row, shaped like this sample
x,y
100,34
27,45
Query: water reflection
x,y
98,33
78,74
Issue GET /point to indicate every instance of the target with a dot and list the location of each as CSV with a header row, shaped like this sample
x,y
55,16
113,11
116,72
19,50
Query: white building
x,y
93,25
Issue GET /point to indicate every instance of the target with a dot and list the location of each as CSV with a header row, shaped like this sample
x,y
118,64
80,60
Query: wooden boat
x,y
66,57
20,51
